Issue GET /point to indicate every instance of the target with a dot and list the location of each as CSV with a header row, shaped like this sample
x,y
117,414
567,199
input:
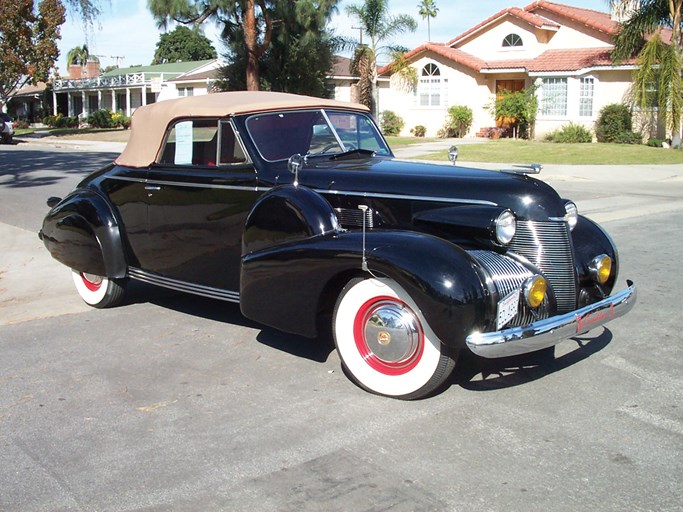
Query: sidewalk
x,y
75,144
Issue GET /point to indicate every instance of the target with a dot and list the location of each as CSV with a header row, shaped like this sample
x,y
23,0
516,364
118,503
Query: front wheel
x,y
99,291
384,342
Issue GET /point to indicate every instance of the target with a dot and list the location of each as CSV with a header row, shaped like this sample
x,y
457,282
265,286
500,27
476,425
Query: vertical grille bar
x,y
548,246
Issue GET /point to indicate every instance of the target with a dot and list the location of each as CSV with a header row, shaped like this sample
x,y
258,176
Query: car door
x,y
199,194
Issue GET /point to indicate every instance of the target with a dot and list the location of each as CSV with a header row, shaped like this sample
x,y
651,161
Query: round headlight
x,y
571,214
506,227
534,291
601,268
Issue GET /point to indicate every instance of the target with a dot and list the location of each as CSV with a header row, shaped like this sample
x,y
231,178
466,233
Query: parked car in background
x,y
6,128
295,208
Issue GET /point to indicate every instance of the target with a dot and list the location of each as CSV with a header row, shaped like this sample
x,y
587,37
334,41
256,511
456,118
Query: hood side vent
x,y
353,217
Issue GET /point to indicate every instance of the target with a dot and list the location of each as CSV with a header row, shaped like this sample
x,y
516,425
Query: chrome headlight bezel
x,y
571,215
505,227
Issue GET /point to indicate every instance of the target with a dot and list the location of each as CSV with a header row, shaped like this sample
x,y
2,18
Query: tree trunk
x,y
249,27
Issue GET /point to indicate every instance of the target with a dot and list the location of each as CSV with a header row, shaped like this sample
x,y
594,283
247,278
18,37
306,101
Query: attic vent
x,y
353,217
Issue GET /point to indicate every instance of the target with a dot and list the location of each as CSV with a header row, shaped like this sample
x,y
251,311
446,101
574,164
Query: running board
x,y
182,286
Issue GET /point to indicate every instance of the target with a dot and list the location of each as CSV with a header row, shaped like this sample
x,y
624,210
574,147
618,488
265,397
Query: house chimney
x,y
75,71
92,68
622,10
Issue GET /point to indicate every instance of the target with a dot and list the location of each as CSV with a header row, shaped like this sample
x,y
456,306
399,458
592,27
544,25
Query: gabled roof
x,y
597,20
515,12
458,56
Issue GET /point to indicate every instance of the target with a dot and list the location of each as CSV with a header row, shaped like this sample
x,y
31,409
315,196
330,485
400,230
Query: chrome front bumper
x,y
551,331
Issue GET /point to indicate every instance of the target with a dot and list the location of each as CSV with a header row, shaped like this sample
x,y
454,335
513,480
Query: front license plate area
x,y
507,309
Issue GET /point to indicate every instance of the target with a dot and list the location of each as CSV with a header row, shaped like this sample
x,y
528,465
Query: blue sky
x,y
126,29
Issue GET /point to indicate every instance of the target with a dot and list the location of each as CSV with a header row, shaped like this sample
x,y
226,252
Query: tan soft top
x,y
149,122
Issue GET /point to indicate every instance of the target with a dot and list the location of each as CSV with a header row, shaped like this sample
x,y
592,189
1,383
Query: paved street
x,y
174,402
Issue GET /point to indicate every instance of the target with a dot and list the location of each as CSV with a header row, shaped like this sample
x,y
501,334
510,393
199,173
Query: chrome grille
x,y
353,217
507,275
548,246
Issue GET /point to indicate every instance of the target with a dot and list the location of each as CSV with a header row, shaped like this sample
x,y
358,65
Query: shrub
x,y
419,131
120,120
614,124
571,133
391,123
655,143
101,119
458,122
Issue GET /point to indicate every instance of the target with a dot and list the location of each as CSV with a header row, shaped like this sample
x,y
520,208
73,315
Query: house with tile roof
x,y
563,50
86,90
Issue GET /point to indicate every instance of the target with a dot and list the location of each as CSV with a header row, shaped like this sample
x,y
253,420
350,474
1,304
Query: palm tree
x,y
657,77
428,9
78,55
380,26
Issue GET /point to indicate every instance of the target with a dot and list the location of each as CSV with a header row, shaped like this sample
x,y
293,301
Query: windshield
x,y
319,132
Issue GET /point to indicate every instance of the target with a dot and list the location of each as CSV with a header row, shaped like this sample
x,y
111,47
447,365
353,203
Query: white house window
x,y
431,87
586,91
554,97
185,91
512,41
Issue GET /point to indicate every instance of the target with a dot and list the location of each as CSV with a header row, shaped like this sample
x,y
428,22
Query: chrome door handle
x,y
152,187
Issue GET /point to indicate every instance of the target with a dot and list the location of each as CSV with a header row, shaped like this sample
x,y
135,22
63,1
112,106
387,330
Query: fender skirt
x,y
288,286
82,232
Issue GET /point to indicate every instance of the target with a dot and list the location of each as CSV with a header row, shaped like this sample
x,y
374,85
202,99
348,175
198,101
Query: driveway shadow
x,y
480,374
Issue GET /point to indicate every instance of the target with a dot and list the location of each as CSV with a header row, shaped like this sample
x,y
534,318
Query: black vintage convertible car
x,y
295,208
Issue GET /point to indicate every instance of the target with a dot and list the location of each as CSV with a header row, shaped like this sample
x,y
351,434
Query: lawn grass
x,y
102,135
526,152
407,141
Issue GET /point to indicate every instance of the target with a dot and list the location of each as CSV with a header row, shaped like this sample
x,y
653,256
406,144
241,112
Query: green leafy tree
x,y
182,45
516,110
79,55
381,27
657,78
250,18
28,42
300,54
428,9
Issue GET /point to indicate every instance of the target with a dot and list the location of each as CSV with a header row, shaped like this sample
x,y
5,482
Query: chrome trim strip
x,y
186,184
412,198
551,331
182,286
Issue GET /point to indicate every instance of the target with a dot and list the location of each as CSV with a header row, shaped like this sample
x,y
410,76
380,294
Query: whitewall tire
x,y
99,291
385,343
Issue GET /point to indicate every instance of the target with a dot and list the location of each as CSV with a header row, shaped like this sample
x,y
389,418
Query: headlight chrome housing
x,y
571,214
506,227
600,268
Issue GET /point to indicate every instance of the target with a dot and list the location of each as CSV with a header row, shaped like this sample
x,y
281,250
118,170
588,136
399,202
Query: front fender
x,y
286,286
590,240
82,232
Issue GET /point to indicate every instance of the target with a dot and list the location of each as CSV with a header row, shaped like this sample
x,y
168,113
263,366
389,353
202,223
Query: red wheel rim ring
x,y
377,364
91,285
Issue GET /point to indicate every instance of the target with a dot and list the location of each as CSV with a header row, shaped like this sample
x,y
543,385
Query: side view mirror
x,y
453,154
295,164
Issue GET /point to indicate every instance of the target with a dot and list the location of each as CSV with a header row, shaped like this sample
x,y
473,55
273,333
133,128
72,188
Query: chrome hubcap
x,y
392,333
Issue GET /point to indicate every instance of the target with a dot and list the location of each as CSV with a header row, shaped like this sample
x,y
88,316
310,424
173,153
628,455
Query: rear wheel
x,y
99,291
384,342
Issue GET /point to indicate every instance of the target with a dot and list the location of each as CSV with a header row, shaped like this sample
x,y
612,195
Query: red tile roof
x,y
570,60
597,20
531,18
565,60
452,54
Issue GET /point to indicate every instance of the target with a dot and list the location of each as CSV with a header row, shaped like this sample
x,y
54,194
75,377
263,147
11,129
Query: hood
x,y
528,198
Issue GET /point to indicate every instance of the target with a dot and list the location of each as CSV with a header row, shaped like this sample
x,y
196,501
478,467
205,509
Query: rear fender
x,y
82,232
286,286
